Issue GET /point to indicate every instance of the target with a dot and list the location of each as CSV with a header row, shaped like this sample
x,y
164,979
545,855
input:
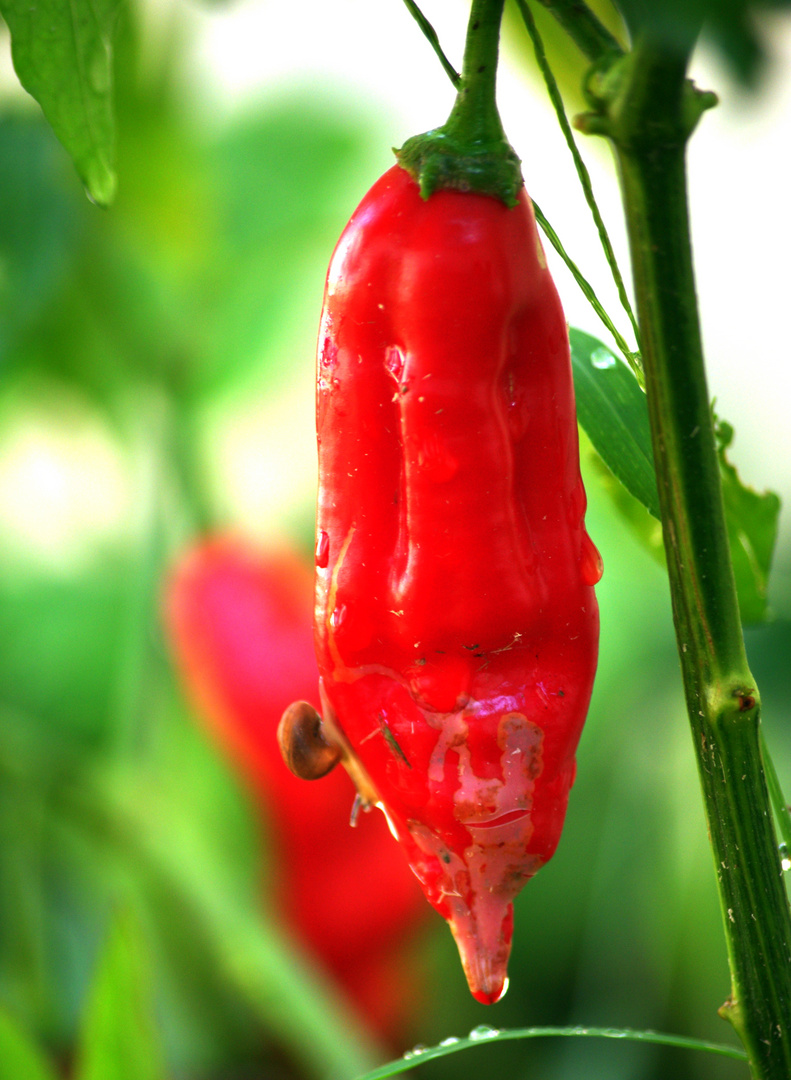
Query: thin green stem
x,y
431,36
581,167
148,429
489,1035
589,292
584,28
779,804
648,109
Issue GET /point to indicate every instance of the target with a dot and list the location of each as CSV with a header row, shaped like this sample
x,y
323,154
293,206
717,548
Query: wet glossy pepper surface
x,y
456,624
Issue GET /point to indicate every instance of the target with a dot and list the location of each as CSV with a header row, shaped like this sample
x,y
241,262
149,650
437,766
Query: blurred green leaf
x,y
63,57
249,952
203,274
752,520
20,1058
281,181
37,222
568,64
60,642
119,1039
733,26
611,408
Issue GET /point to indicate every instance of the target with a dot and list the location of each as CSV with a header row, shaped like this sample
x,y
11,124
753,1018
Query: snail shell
x,y
304,747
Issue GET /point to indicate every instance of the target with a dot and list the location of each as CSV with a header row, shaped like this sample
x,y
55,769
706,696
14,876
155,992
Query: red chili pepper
x,y
456,623
240,626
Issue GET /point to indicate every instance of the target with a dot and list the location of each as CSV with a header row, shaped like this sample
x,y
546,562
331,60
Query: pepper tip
x,y
491,997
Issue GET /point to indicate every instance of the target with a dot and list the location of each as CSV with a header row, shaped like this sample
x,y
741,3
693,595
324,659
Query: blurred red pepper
x,y
240,626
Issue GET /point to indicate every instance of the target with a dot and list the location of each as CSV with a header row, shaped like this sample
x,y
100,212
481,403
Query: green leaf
x,y
63,57
486,1035
611,408
751,518
119,1039
20,1058
612,411
249,951
569,65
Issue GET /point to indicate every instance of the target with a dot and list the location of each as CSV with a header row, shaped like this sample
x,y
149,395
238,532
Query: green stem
x,y
470,152
648,109
474,116
584,177
430,35
587,289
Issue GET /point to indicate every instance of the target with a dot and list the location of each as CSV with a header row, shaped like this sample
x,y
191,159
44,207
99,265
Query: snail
x,y
312,745
303,744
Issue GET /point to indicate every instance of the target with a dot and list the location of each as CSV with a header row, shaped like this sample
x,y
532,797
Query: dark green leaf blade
x,y
751,518
611,408
119,1040
20,1059
612,411
63,57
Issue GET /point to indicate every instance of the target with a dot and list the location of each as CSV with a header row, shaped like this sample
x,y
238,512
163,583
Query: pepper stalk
x,y
470,151
648,109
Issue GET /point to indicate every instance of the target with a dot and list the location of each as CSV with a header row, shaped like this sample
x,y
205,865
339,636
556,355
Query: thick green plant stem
x,y
645,105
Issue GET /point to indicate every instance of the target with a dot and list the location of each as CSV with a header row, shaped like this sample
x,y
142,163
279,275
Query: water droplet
x,y
483,1031
602,359
591,565
329,353
322,549
394,362
785,857
450,1041
416,1051
357,806
337,617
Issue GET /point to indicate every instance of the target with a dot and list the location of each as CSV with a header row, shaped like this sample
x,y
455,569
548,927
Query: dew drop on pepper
x,y
322,550
591,563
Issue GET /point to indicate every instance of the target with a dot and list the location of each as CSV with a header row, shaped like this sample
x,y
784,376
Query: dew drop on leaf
x,y
416,1051
483,1031
602,359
